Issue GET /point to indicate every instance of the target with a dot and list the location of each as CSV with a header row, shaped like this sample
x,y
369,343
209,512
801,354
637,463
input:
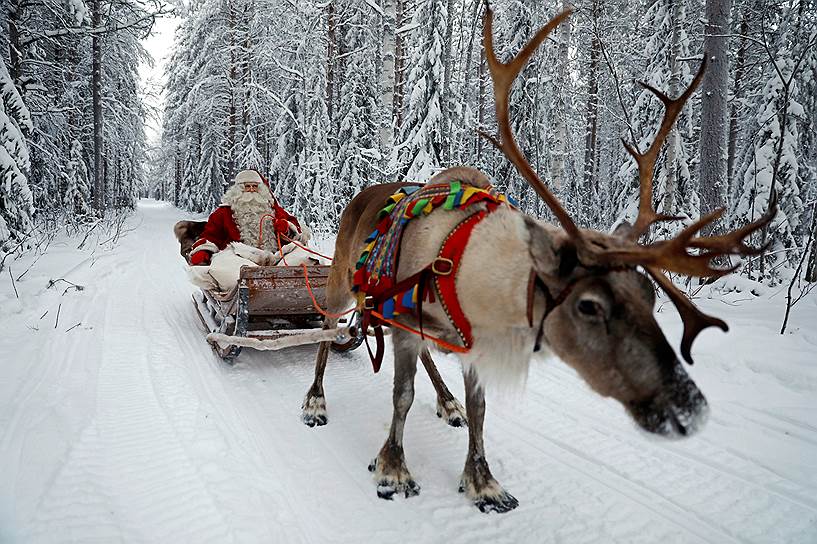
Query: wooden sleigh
x,y
271,308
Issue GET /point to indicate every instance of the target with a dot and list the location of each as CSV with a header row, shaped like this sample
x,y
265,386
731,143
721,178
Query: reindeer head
x,y
599,300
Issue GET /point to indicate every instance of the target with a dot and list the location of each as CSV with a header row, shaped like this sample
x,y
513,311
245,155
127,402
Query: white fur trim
x,y
200,277
248,175
206,246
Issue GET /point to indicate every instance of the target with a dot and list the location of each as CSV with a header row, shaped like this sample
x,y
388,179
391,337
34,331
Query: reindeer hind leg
x,y
449,408
313,409
389,468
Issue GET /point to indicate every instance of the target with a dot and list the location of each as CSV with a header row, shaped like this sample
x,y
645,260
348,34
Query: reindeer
x,y
523,284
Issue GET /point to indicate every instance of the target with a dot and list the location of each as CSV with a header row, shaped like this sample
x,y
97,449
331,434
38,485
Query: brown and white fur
x,y
604,328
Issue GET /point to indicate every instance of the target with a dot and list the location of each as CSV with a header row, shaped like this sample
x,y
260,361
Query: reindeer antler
x,y
671,255
646,161
503,76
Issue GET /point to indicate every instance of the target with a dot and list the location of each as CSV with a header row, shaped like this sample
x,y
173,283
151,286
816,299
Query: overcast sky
x,y
159,44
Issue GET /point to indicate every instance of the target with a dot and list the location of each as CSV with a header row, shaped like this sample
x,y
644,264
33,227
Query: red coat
x,y
221,230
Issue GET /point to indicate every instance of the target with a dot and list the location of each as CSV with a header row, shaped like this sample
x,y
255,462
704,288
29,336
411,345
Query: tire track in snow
x,y
331,461
240,464
644,469
218,432
707,454
133,475
61,364
190,382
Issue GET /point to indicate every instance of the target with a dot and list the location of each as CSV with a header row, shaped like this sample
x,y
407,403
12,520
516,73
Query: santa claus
x,y
244,230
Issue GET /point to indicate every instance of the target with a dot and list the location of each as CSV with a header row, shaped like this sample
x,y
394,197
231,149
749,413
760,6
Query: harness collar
x,y
442,274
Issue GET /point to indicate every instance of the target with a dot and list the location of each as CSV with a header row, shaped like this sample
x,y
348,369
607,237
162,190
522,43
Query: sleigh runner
x,y
272,308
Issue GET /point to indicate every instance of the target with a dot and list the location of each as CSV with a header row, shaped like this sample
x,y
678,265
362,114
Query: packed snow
x,y
118,423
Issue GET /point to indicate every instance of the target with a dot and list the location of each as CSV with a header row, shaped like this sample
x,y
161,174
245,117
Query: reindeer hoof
x,y
386,489
398,482
452,412
491,499
313,411
314,421
500,505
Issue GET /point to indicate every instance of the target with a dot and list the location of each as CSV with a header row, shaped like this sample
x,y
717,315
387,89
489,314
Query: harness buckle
x,y
447,266
368,303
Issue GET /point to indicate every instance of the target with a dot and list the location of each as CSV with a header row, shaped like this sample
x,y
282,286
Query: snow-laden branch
x,y
278,101
101,30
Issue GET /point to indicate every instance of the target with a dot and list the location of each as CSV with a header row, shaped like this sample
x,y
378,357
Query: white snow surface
x,y
128,428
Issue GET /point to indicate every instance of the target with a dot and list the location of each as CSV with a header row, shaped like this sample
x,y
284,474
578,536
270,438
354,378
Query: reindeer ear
x,y
622,230
543,250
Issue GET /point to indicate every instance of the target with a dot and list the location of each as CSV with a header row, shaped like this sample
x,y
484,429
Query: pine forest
x,y
328,97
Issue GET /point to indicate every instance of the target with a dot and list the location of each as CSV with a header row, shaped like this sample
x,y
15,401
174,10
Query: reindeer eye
x,y
589,307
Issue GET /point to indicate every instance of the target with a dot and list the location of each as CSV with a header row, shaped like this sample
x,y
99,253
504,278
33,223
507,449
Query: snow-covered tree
x,y
77,186
16,202
311,93
418,150
674,192
774,166
358,152
249,157
773,148
314,195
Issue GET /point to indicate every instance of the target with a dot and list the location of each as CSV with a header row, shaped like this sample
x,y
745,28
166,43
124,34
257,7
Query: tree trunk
x,y
446,94
714,112
559,111
96,98
177,178
673,139
387,75
231,77
397,110
811,266
481,74
13,15
246,73
591,119
737,95
331,48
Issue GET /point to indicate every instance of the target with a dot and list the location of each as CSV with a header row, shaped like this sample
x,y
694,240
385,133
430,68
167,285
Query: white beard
x,y
248,209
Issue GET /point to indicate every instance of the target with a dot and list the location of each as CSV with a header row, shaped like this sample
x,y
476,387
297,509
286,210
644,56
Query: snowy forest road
x,y
119,424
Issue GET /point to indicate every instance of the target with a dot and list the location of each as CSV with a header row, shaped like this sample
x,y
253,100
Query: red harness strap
x,y
443,272
446,282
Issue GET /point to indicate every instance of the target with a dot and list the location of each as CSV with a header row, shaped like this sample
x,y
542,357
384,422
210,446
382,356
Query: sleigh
x,y
272,308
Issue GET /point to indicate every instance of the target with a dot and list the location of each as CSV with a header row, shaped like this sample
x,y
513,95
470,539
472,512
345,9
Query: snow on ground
x,y
118,423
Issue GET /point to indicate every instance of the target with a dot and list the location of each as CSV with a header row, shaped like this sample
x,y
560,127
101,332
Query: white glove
x,y
260,257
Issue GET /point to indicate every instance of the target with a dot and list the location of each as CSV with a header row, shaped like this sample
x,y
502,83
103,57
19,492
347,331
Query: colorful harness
x,y
382,297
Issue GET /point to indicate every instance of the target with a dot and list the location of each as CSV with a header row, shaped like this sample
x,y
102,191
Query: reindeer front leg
x,y
477,482
389,467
